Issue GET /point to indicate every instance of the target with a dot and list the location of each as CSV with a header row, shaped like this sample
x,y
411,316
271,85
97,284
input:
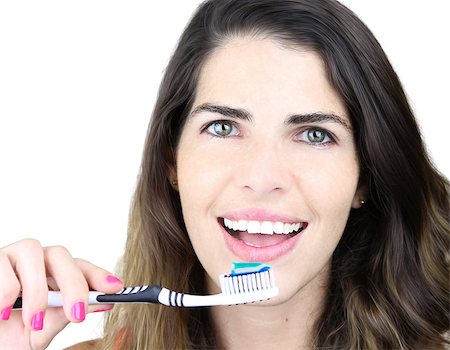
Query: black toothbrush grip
x,y
18,303
148,295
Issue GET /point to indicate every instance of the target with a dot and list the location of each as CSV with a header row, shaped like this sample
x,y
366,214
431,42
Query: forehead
x,y
263,74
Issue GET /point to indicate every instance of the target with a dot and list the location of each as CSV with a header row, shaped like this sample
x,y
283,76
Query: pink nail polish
x,y
5,313
37,322
79,311
102,310
113,279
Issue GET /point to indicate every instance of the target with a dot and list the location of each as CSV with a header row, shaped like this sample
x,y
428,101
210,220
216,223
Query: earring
x,y
362,202
174,183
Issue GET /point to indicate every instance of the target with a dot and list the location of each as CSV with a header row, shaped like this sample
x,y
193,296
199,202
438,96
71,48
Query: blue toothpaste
x,y
243,268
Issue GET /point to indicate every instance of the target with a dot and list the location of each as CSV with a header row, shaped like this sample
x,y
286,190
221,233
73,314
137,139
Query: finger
x,y
55,321
27,259
99,279
10,288
70,280
100,308
51,283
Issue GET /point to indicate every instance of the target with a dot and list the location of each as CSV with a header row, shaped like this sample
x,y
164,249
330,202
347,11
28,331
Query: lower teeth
x,y
235,234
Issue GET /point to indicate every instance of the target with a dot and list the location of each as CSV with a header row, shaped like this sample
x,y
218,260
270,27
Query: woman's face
x,y
266,164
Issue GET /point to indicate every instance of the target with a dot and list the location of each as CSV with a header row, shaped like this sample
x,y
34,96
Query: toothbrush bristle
x,y
247,283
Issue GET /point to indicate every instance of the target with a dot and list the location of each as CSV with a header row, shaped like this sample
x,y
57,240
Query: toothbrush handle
x,y
139,294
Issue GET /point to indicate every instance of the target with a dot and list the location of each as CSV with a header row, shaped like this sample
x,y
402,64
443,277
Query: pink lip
x,y
260,215
260,254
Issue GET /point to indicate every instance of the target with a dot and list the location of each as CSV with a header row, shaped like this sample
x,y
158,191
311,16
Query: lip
x,y
260,254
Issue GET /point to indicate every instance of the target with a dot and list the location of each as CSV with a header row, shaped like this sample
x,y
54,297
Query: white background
x,y
78,81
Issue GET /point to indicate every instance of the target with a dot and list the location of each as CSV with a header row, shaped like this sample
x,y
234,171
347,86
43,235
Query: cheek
x,y
329,192
333,179
198,185
203,170
197,181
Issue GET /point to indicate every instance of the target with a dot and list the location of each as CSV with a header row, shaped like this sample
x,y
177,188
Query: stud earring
x,y
174,183
362,202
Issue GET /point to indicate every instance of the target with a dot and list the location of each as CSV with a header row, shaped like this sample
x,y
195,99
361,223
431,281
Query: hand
x,y
28,267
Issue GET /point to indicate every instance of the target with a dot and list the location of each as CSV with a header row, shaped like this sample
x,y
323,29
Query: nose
x,y
264,170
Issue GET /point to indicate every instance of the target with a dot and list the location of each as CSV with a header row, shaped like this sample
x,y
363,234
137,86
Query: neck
x,y
286,325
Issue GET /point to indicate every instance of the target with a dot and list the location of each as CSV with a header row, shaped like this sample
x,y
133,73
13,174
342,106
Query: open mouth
x,y
261,233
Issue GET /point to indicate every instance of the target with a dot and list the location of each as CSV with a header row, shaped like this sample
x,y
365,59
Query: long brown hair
x,y
390,278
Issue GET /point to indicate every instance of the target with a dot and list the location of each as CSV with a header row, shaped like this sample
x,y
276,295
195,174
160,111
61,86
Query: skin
x,y
268,165
26,265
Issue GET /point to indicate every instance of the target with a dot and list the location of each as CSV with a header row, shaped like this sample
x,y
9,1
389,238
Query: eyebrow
x,y
223,110
293,119
318,117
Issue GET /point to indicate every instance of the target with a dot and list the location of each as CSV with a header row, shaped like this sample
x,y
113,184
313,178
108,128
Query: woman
x,y
280,112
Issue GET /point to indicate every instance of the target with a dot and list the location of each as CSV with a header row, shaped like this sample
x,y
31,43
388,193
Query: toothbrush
x,y
247,282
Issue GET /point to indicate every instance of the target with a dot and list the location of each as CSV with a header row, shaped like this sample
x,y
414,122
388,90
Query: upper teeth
x,y
263,227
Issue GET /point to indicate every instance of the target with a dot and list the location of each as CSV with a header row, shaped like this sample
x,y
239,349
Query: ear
x,y
360,197
172,177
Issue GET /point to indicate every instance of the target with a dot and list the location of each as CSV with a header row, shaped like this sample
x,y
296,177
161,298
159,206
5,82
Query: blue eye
x,y
222,128
315,136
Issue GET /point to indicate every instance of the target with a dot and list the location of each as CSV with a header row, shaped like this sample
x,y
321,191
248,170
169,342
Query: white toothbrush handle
x,y
171,298
55,298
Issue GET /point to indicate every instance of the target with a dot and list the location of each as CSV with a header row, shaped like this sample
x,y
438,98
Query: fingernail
x,y
5,313
79,311
102,310
37,322
113,279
